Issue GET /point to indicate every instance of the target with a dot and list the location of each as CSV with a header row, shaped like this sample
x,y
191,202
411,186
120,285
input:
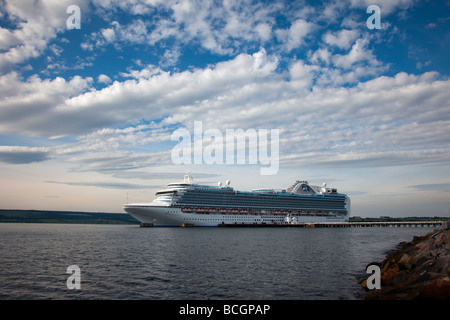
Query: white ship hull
x,y
170,217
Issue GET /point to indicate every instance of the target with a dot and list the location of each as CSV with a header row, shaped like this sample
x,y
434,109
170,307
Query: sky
x,y
92,99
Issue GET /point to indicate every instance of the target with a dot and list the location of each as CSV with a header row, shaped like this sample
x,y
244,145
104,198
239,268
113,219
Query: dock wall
x,y
342,225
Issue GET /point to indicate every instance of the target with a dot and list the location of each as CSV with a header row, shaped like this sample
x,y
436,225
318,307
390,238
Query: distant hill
x,y
43,216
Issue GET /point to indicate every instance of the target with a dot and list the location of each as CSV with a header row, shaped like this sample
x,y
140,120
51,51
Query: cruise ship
x,y
187,203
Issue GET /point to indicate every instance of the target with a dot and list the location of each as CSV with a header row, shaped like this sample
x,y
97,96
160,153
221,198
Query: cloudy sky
x,y
87,114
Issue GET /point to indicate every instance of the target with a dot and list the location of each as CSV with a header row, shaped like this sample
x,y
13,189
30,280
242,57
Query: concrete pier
x,y
402,224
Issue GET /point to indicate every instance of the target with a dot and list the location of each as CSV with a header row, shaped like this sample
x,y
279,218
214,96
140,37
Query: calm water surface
x,y
129,262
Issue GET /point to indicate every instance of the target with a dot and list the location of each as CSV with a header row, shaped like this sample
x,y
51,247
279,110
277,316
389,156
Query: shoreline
x,y
58,216
77,217
419,269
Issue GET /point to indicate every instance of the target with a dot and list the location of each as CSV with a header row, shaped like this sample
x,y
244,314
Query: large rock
x,y
420,269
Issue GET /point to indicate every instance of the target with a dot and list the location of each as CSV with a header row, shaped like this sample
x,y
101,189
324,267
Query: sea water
x,y
130,262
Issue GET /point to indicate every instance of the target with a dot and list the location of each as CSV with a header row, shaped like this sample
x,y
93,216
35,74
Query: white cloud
x,y
302,75
145,73
110,140
170,57
38,22
119,160
295,35
109,34
322,54
7,39
136,32
359,53
103,78
264,31
220,29
397,119
59,107
343,39
26,107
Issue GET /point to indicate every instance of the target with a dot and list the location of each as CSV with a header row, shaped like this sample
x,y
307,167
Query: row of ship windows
x,y
323,206
257,201
232,215
316,206
234,219
208,206
259,197
300,201
269,211
277,199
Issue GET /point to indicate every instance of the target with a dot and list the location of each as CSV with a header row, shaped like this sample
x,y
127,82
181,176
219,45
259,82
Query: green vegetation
x,y
38,216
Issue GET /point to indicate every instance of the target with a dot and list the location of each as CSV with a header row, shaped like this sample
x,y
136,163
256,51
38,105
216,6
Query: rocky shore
x,y
419,269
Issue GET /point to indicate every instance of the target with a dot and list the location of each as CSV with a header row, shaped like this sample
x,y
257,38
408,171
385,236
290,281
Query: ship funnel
x,y
227,182
219,184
